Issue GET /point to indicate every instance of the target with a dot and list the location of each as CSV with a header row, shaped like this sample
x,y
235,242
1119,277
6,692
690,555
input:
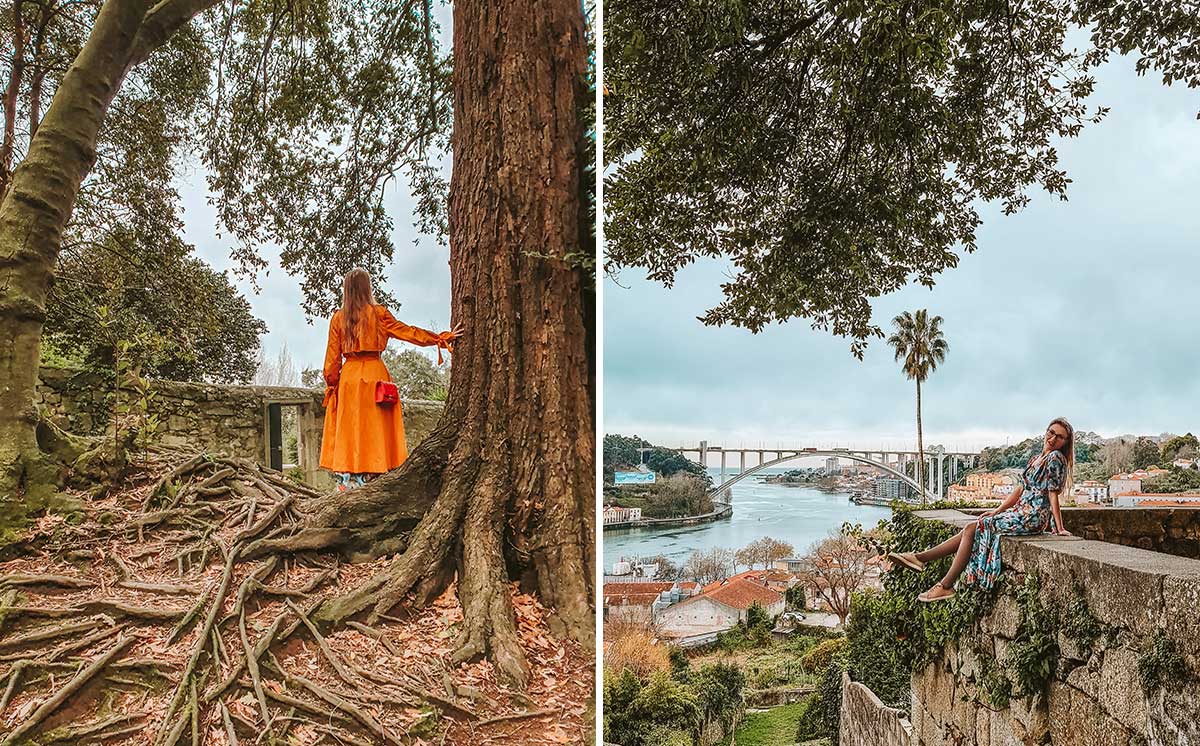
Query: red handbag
x,y
386,393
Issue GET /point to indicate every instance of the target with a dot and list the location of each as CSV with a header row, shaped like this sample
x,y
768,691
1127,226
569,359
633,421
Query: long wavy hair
x,y
1068,451
357,297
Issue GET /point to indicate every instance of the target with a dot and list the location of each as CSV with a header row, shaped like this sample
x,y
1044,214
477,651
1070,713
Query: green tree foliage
x,y
302,116
1181,446
1176,480
919,347
1145,453
681,665
668,463
637,712
718,688
833,151
416,376
794,598
1010,457
621,450
205,326
821,655
677,495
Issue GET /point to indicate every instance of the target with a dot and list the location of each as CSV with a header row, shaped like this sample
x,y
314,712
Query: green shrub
x,y
810,725
819,657
638,713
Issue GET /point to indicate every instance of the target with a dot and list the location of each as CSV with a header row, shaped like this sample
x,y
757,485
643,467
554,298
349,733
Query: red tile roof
x,y
641,594
740,593
758,576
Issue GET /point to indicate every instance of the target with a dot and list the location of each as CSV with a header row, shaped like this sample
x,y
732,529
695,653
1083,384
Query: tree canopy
x,y
834,151
302,116
189,322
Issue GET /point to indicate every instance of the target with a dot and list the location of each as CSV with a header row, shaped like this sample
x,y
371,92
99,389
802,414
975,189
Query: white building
x,y
718,609
1091,491
614,514
636,603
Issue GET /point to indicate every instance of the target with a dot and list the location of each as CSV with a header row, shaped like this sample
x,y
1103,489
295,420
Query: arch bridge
x,y
893,462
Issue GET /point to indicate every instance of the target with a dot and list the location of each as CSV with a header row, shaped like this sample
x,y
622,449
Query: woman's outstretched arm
x,y
415,334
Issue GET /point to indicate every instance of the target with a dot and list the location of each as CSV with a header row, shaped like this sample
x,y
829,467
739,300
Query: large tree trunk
x,y
34,211
510,470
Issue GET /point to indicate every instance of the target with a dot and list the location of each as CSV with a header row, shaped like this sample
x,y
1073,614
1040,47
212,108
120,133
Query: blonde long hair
x,y
1068,452
357,296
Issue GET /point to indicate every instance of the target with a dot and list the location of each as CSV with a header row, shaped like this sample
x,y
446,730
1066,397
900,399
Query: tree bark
x,y
514,452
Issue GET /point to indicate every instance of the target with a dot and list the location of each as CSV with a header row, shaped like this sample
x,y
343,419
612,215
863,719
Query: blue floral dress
x,y
1031,515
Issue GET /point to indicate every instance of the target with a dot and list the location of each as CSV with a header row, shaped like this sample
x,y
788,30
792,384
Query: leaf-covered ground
x,y
143,621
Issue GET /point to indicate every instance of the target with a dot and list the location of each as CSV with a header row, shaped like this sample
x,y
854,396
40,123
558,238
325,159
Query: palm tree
x,y
919,343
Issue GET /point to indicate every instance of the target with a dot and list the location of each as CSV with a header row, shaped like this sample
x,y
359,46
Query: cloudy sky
x,y
419,277
1087,309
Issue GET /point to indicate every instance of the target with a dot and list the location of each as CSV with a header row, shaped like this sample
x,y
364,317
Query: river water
x,y
801,516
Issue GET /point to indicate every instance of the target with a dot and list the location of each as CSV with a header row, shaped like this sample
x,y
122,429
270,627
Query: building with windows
x,y
1091,492
718,609
891,488
615,514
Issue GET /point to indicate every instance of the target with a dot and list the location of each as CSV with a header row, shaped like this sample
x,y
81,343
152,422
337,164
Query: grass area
x,y
775,665
774,727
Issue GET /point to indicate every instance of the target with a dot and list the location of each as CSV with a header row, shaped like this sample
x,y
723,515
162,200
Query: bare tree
x,y
1117,456
833,570
709,565
278,372
763,551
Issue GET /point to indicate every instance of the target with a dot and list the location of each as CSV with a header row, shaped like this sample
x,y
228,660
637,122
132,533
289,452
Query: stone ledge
x,y
1136,589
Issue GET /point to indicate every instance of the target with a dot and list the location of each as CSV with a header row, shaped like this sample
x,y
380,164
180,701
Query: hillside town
x,y
1122,490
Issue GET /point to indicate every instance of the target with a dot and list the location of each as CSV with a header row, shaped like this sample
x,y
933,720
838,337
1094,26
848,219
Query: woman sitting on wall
x,y
1031,509
364,426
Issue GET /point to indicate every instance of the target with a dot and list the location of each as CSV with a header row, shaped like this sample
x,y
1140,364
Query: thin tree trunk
x,y
11,93
920,446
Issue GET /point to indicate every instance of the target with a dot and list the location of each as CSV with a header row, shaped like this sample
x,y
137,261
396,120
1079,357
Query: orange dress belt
x,y
363,355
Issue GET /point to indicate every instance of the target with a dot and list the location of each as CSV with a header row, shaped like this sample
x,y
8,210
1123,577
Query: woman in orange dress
x,y
362,438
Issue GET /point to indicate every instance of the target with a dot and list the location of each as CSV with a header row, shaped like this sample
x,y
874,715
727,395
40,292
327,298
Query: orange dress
x,y
360,436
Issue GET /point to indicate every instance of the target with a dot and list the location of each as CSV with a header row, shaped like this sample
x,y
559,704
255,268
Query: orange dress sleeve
x,y
333,352
414,334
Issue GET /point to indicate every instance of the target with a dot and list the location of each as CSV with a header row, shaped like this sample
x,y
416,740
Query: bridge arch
x,y
728,484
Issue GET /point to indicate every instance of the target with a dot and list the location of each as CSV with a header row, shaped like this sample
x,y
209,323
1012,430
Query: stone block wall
x,y
1170,530
211,417
1095,697
866,721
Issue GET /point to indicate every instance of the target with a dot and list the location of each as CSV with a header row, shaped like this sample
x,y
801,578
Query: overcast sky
x,y
419,277
1086,309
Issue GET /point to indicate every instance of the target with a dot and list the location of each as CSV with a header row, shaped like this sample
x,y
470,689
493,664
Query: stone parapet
x,y
1141,600
866,721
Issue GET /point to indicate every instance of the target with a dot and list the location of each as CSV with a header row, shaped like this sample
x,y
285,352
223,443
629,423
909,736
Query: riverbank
x,y
800,515
723,510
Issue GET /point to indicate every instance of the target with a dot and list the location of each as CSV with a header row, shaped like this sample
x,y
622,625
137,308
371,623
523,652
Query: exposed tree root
x,y
221,670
